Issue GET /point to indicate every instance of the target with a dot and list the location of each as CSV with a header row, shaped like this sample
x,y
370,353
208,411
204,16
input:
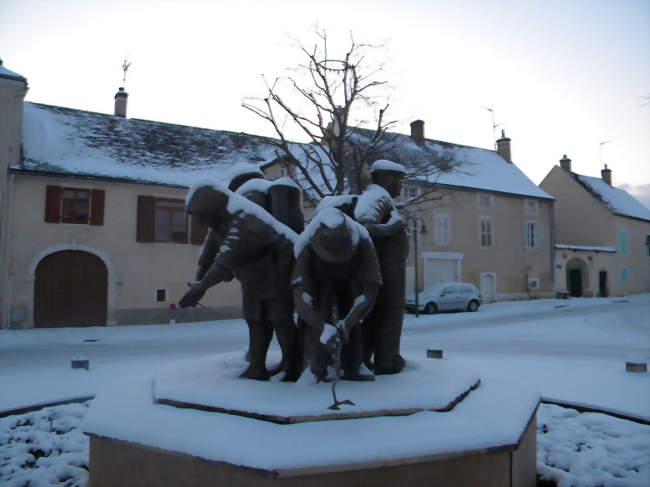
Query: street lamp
x,y
415,224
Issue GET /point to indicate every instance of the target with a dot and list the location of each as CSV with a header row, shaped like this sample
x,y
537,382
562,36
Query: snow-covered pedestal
x,y
430,425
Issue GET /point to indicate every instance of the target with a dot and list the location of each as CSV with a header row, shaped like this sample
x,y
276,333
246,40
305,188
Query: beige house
x,y
484,222
93,223
603,235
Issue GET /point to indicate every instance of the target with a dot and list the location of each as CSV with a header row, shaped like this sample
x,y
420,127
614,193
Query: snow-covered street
x,y
572,351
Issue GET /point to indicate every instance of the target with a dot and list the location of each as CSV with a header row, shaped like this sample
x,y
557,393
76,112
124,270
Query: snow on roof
x,y
68,141
473,167
6,73
582,247
616,200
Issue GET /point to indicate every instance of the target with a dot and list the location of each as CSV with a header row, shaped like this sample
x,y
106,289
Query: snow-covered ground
x,y
573,351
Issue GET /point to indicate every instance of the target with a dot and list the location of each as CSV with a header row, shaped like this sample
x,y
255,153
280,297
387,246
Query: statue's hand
x,y
192,297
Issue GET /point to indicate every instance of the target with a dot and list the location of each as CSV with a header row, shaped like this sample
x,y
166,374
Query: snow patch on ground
x,y
44,448
591,449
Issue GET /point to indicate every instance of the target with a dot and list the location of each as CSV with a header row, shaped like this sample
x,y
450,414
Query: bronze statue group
x,y
343,274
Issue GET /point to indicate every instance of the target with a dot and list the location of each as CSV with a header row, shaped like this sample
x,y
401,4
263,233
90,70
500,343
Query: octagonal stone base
x,y
486,438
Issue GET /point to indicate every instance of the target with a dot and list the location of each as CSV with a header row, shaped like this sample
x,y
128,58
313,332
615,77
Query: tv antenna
x,y
600,150
125,67
494,125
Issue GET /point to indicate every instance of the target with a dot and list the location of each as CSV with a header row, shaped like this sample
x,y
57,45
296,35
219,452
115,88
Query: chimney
x,y
417,132
120,103
606,174
503,147
565,163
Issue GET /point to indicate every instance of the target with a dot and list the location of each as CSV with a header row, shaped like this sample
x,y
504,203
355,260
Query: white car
x,y
445,297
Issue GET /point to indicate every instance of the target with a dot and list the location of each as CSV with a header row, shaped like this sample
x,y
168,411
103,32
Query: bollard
x,y
80,363
636,365
434,353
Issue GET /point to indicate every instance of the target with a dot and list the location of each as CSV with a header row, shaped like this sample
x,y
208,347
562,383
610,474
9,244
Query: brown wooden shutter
x,y
53,204
146,219
97,207
197,237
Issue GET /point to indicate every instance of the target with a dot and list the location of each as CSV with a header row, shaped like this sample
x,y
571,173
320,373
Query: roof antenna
x,y
600,152
494,125
125,67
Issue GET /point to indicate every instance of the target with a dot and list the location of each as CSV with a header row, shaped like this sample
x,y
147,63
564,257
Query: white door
x,y
488,286
440,270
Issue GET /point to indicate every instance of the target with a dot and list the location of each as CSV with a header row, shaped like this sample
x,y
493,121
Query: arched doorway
x,y
577,276
71,289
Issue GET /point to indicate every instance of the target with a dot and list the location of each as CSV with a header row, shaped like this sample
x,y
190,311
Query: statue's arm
x,y
208,253
304,304
361,307
381,230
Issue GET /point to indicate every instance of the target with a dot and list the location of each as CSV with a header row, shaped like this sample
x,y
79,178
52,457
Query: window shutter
x,y
53,204
525,235
146,219
198,232
97,206
539,236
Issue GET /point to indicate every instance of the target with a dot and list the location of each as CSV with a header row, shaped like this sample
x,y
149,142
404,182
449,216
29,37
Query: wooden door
x,y
70,290
575,282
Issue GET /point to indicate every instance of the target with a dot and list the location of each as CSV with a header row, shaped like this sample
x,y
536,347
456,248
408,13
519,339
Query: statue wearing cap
x,y
376,210
335,281
258,251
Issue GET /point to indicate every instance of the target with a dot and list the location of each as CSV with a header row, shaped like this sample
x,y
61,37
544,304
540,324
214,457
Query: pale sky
x,y
562,76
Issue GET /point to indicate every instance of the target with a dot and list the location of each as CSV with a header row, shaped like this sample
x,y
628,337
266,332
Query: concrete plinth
x,y
486,439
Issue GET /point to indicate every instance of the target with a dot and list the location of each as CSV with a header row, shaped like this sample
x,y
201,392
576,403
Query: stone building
x,y
603,235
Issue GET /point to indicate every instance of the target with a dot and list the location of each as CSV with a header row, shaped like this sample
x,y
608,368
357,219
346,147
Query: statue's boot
x,y
256,373
394,366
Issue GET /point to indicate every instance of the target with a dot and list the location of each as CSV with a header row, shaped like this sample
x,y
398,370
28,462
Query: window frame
x,y
489,201
75,202
535,208
171,210
437,218
624,274
489,232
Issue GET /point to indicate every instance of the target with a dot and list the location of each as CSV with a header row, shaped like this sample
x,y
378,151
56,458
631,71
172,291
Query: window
x,y
165,220
74,205
161,295
485,200
647,245
409,191
441,229
624,275
533,283
622,241
531,207
171,224
486,231
533,235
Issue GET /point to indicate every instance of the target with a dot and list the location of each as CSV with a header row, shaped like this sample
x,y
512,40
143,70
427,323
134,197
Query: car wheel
x,y
430,308
473,305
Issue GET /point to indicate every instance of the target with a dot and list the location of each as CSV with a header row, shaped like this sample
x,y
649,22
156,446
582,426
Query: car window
x,y
467,288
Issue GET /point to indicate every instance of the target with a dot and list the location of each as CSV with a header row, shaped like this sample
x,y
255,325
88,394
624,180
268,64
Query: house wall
x,y
12,93
577,211
509,263
582,220
135,270
636,260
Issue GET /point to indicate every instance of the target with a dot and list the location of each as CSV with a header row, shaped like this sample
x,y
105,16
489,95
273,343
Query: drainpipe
x,y
551,219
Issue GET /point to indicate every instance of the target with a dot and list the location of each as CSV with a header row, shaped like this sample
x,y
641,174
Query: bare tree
x,y
339,104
